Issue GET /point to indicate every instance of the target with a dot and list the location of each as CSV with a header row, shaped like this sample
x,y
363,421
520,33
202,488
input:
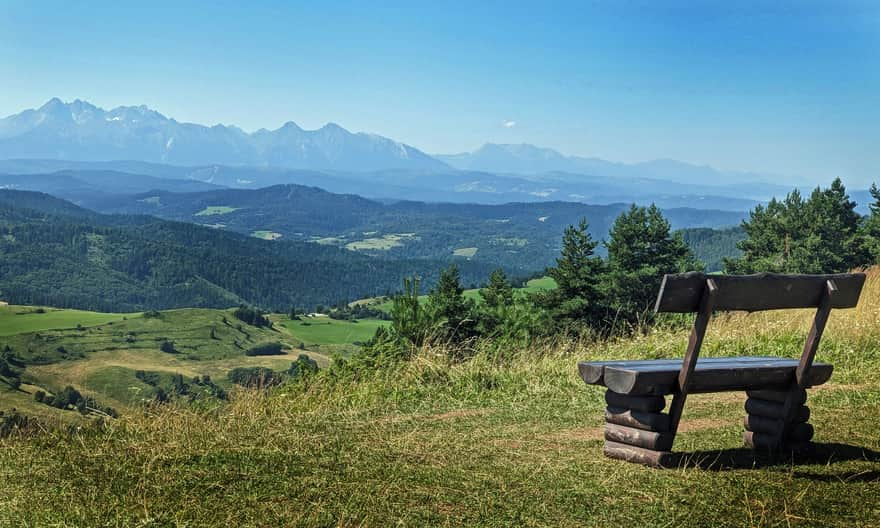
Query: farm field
x,y
213,210
330,334
467,252
99,354
266,235
23,319
384,243
532,286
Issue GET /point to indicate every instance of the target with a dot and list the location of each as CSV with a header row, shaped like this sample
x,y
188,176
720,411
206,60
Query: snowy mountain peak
x,y
81,131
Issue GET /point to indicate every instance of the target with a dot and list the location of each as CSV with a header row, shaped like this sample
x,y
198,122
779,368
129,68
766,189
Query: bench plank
x,y
659,377
593,372
763,291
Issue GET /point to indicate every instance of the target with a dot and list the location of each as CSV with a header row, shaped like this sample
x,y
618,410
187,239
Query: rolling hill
x,y
523,237
55,253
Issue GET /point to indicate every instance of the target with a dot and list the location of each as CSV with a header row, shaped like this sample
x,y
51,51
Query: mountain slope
x,y
82,131
55,253
519,236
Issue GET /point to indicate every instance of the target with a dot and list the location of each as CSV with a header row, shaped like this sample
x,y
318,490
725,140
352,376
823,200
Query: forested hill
x,y
519,236
55,253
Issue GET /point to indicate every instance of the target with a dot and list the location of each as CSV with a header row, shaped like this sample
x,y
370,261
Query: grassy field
x,y
23,319
99,353
266,235
213,210
384,243
467,252
532,286
481,443
331,335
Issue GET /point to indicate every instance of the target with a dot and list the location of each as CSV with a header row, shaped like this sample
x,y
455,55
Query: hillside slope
x,y
57,254
519,236
480,443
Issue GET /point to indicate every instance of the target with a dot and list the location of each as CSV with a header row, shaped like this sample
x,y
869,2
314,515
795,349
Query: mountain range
x,y
82,131
528,159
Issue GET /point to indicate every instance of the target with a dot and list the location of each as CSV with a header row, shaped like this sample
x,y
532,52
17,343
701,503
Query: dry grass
x,y
487,442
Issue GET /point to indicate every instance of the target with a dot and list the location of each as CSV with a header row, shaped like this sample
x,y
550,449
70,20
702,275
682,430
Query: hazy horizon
x,y
788,89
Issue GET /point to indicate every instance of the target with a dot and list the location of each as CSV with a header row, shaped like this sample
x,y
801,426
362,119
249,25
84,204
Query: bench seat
x,y
660,376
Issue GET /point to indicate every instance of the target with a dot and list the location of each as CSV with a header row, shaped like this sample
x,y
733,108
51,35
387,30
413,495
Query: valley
x,y
102,354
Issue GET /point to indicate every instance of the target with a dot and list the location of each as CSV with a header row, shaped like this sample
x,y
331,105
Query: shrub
x,y
255,377
265,349
251,316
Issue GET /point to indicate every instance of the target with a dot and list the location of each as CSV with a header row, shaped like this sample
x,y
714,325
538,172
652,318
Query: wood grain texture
x,y
775,410
764,291
639,437
639,455
592,372
649,421
661,377
800,397
651,404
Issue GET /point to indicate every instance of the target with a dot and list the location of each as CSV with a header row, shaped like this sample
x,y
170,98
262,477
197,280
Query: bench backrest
x,y
703,294
763,291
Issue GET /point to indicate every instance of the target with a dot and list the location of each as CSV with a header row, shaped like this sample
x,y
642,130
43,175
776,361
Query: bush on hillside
x,y
251,316
265,349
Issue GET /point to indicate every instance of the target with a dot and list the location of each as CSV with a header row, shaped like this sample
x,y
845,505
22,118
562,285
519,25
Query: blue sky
x,y
778,87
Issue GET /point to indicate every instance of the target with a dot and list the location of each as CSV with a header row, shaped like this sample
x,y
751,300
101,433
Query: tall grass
x,y
499,440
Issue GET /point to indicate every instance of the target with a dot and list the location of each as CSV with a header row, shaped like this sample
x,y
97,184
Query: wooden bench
x,y
637,429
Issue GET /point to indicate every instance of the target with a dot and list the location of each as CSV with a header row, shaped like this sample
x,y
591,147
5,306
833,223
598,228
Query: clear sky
x,y
782,87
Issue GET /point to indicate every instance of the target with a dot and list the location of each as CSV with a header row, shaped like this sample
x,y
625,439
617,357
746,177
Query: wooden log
x,y
778,396
769,409
762,424
637,403
761,441
661,377
639,455
593,372
772,443
658,422
800,433
639,437
765,291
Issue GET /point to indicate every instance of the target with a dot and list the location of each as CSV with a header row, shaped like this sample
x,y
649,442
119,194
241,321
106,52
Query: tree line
x,y
600,296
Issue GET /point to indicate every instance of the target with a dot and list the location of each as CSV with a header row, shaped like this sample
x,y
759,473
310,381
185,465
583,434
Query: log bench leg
x,y
636,429
765,421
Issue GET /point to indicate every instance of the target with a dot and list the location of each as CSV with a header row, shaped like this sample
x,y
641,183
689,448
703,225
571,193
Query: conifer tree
x,y
871,228
641,249
822,234
449,308
577,300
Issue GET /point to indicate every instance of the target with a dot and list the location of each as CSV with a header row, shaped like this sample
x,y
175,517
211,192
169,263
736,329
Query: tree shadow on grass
x,y
819,454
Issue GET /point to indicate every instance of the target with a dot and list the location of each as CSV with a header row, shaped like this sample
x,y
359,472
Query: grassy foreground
x,y
491,442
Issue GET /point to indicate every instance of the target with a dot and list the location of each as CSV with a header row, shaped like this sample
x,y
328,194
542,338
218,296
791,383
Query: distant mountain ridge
x,y
524,158
85,132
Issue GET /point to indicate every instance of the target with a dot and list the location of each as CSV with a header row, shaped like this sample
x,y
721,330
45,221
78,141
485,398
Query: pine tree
x,y
408,320
822,234
449,308
498,292
577,300
871,227
641,249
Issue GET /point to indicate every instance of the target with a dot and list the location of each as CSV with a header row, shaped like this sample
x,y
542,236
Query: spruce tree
x,y
449,308
822,234
871,227
641,249
577,300
499,292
